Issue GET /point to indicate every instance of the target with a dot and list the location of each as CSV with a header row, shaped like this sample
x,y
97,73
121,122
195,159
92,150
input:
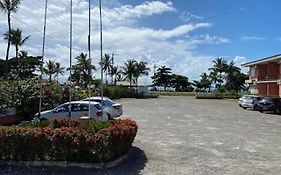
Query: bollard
x,y
85,122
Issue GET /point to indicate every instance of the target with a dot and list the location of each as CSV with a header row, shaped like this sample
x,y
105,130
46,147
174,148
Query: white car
x,y
112,109
78,109
249,101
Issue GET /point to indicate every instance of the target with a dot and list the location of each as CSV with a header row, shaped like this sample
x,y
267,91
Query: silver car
x,y
249,101
112,109
78,109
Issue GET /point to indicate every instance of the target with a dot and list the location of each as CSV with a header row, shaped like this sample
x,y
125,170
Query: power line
x,y
36,4
37,30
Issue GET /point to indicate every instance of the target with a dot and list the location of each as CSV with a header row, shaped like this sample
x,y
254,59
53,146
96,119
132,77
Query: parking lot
x,y
182,135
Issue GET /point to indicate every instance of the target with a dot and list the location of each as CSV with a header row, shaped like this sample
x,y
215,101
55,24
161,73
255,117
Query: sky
x,y
185,35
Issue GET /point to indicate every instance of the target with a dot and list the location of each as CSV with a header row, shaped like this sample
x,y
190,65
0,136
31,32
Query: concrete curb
x,y
65,164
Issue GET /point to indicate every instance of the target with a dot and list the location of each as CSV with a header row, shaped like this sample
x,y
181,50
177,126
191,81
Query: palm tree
x,y
106,65
218,68
83,70
115,72
129,70
205,81
58,70
50,69
141,69
162,77
9,7
15,37
234,78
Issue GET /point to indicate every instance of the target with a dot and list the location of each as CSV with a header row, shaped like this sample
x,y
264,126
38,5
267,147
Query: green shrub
x,y
116,92
98,125
27,143
35,123
209,96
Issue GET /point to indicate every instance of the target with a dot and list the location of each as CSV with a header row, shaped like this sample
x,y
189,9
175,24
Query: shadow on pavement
x,y
131,166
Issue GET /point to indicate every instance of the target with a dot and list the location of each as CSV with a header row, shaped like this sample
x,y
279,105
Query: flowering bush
x,y
64,143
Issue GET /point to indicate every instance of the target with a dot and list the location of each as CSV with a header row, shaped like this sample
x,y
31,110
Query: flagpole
x,y
70,59
101,48
43,54
89,49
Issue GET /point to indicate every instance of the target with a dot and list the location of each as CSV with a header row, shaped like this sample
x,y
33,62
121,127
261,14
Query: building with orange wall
x,y
265,76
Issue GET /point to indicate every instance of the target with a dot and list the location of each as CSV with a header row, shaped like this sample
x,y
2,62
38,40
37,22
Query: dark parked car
x,y
270,104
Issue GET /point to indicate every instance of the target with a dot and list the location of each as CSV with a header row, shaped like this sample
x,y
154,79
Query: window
x,y
79,107
84,107
62,108
98,106
252,71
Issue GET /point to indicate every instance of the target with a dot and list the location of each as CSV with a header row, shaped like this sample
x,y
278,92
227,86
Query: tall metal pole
x,y
89,49
101,47
43,54
70,58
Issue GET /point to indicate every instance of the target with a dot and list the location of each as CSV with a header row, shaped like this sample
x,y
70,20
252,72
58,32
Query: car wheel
x,y
261,111
255,108
244,108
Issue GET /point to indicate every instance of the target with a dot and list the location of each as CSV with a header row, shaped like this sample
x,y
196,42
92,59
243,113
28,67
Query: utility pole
x,y
43,54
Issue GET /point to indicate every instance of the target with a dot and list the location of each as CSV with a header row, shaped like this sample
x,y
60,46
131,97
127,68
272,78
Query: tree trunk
x,y
17,51
19,61
50,77
106,77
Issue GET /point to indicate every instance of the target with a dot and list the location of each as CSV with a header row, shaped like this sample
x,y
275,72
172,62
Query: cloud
x,y
252,38
208,39
239,60
123,34
187,16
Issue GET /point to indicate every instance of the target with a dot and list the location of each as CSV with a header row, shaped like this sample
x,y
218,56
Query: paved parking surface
x,y
182,135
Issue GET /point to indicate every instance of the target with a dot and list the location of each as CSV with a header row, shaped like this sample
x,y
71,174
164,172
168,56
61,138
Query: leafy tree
x,y
9,7
15,37
27,67
50,69
218,68
129,70
82,74
141,69
180,83
106,65
162,77
25,70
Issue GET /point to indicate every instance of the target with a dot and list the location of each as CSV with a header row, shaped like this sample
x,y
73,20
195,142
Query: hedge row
x,y
67,143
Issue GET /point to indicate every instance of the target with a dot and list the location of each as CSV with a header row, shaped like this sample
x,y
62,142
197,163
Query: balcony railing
x,y
274,77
